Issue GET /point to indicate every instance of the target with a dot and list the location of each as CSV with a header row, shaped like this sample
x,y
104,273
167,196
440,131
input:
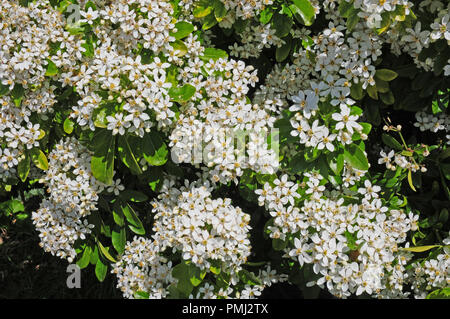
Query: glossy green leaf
x,y
354,156
23,168
68,126
119,239
101,270
214,54
386,75
181,94
105,252
307,11
127,155
102,162
39,159
154,149
183,30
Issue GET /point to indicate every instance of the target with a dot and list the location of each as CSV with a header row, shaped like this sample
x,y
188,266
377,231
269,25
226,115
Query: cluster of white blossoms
x,y
73,194
140,87
206,232
206,128
353,248
433,123
142,268
307,126
431,274
254,39
28,39
335,59
372,10
202,229
392,160
413,40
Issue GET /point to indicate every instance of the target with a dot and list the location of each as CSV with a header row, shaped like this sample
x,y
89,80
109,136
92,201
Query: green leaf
x,y
39,159
387,98
410,182
307,11
345,8
102,162
52,69
180,46
182,273
119,239
23,168
201,12
356,91
382,86
385,75
282,24
127,156
183,30
352,21
141,295
105,252
134,196
154,149
68,126
100,270
443,293
278,244
356,157
219,10
391,142
249,278
372,91
214,54
266,15
420,249
134,222
298,164
118,216
83,262
181,94
17,94
282,52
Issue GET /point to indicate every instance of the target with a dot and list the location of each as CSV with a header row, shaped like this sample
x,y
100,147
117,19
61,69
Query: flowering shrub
x,y
212,148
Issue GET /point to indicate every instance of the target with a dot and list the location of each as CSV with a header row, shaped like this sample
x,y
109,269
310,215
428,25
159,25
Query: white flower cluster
x,y
338,59
319,136
140,88
61,219
205,231
28,39
221,112
413,40
372,10
268,276
353,248
142,269
393,160
201,228
254,39
284,82
433,123
431,274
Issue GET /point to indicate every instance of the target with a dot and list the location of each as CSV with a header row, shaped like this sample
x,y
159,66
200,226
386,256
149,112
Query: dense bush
x,y
212,148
